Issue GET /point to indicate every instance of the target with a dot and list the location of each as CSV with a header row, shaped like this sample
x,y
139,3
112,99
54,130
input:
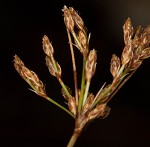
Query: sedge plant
x,y
84,106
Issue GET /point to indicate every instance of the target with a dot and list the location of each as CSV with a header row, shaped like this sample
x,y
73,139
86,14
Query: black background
x,y
26,120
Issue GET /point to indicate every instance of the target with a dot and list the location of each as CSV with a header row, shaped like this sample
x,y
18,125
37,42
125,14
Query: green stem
x,y
77,40
82,86
64,88
54,63
60,106
51,100
86,92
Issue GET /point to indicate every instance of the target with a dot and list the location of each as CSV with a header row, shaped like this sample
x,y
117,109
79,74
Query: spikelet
x,y
127,54
114,65
77,19
72,105
145,53
30,77
88,103
68,19
145,37
53,66
83,39
90,66
128,31
96,112
47,46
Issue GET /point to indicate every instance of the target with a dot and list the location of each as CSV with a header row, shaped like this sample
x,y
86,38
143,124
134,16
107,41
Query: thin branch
x,y
60,106
74,67
64,88
82,86
86,92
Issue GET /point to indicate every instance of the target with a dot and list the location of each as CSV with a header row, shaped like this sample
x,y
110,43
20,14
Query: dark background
x,y
26,120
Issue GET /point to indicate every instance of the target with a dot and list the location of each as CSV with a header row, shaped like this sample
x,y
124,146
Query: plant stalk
x,y
86,92
64,88
74,67
82,86
73,140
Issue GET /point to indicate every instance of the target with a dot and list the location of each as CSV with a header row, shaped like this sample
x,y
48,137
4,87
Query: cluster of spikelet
x,y
84,106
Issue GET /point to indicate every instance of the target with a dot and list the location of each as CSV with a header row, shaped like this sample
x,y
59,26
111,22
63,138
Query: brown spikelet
x,y
105,113
72,105
128,31
145,37
29,76
138,32
82,38
135,64
114,65
54,70
77,19
136,45
90,66
68,20
96,112
53,66
50,66
88,103
47,46
145,53
127,54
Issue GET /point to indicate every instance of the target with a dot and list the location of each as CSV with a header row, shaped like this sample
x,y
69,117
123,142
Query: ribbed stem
x,y
86,92
74,67
82,87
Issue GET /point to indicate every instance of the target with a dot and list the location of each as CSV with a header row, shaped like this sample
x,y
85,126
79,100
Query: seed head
x,y
47,46
90,66
50,66
138,32
68,19
145,37
77,19
96,112
105,113
114,65
30,77
127,54
83,39
128,31
135,64
72,105
55,70
88,103
145,53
